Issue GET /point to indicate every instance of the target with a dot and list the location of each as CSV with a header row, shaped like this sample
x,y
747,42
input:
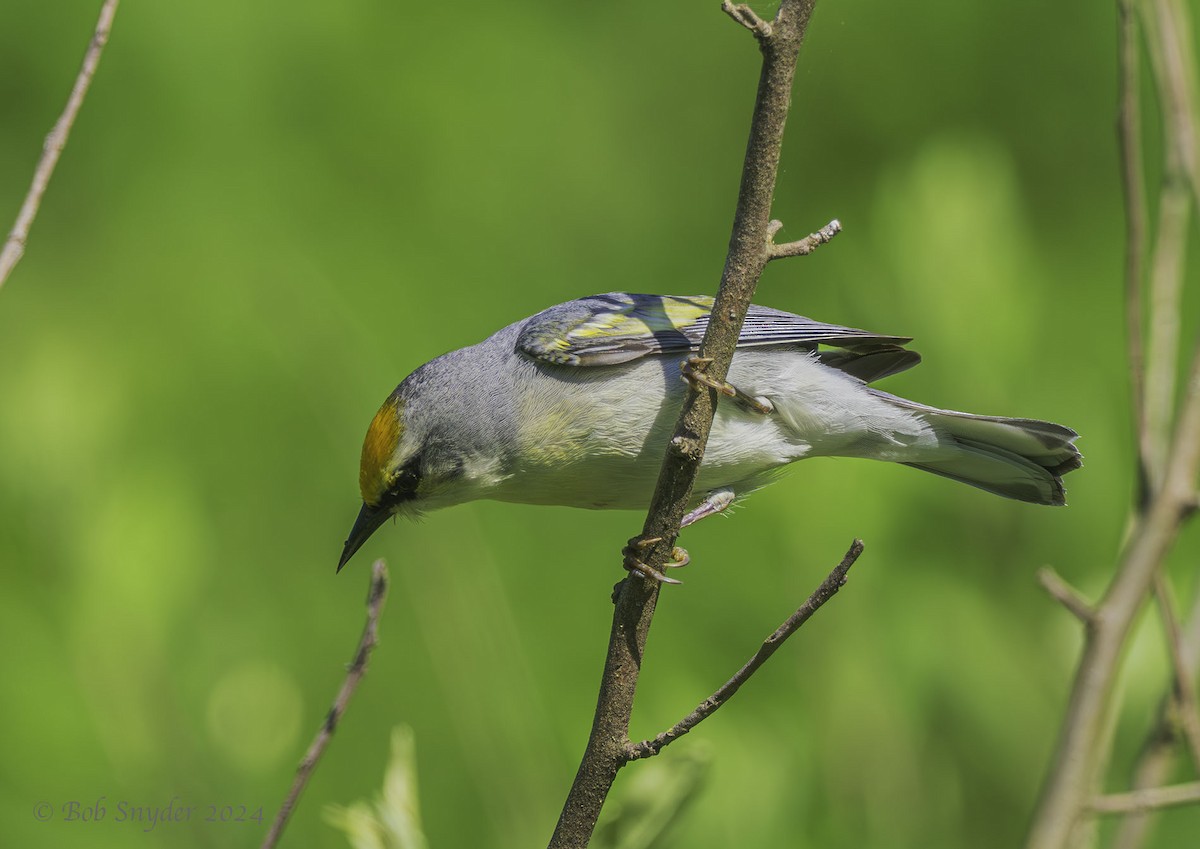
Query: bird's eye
x,y
405,485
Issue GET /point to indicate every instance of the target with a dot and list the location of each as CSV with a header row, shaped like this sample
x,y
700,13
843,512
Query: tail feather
x,y
1023,459
870,365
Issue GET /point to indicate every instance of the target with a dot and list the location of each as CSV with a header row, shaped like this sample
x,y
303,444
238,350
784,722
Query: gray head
x,y
423,450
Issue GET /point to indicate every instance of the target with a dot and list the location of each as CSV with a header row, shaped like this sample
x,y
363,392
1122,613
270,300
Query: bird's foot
x,y
714,502
693,370
633,562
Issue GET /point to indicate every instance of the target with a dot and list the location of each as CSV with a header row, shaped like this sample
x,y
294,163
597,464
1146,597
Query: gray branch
x,y
376,596
1168,438
749,251
827,590
14,245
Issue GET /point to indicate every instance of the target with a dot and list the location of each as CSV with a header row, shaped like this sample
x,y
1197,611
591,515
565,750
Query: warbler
x,y
574,406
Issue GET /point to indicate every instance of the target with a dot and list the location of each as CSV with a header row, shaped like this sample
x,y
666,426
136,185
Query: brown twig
x,y
14,245
827,590
1184,688
748,254
1173,68
1174,75
1140,801
376,595
1157,755
1084,743
747,17
1133,184
801,247
1177,88
1084,737
1066,595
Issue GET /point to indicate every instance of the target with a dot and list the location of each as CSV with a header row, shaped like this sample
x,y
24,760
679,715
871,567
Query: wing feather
x,y
619,327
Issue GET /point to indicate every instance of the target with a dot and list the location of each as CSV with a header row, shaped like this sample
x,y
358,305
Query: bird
x,y
574,406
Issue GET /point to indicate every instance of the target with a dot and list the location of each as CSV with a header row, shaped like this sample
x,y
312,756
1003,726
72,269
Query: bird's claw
x,y
693,370
633,563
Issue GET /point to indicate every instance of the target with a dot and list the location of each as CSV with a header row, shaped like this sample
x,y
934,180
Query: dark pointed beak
x,y
368,521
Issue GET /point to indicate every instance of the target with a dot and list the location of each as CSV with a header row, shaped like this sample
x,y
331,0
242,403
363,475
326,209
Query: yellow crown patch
x,y
380,444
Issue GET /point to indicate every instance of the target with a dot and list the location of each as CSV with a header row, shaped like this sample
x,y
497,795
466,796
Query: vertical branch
x,y
1133,184
1177,72
1183,691
748,254
1157,755
1172,460
1170,242
14,245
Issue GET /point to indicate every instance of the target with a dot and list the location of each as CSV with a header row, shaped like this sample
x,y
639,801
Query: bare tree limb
x,y
747,17
1133,184
1140,801
14,245
1157,755
1066,595
1084,737
1184,689
1084,743
801,247
376,596
1174,68
827,590
1166,291
1175,76
1168,28
748,254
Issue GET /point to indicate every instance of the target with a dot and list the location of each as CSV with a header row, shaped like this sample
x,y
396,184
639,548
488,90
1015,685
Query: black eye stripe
x,y
404,487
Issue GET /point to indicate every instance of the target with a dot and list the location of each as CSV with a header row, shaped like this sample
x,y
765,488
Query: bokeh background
x,y
270,212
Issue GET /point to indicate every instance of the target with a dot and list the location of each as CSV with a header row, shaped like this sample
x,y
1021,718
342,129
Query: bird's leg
x,y
714,502
633,562
693,370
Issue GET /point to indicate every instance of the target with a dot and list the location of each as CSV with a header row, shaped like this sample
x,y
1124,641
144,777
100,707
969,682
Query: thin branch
x,y
747,17
779,44
1175,74
1166,292
1066,595
1173,68
827,590
14,245
1084,742
376,596
1177,67
1133,183
801,247
1140,801
1185,680
1156,757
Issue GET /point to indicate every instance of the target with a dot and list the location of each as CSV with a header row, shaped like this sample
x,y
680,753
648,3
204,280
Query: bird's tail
x,y
1023,459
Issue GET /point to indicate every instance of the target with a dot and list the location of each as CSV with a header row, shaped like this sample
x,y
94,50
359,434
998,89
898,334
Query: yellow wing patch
x,y
668,314
614,328
383,436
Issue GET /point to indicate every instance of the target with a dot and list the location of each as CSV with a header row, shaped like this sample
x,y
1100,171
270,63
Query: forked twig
x,y
1066,595
14,245
1140,801
1185,679
827,590
747,17
354,674
801,247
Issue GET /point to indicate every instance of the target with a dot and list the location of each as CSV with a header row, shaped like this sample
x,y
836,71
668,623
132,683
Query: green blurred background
x,y
270,212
